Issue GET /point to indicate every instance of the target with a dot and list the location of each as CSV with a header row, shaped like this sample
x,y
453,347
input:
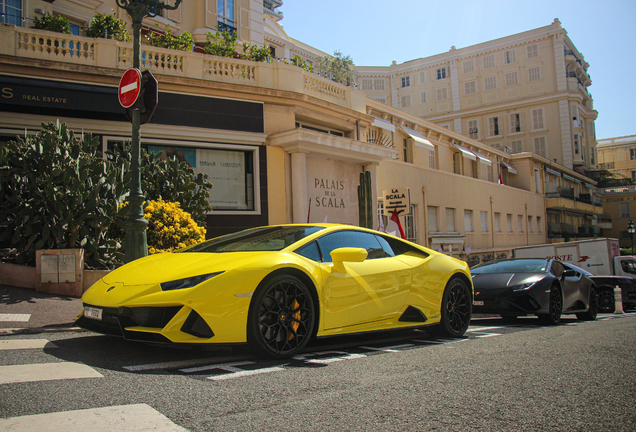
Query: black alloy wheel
x,y
282,317
606,302
592,310
553,317
456,310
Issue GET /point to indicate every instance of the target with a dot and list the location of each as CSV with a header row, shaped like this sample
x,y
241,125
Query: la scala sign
x,y
398,199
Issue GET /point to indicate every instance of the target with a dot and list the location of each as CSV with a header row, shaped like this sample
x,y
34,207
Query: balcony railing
x,y
559,230
68,51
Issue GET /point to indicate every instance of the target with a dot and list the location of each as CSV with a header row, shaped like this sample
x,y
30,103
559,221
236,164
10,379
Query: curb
x,y
38,330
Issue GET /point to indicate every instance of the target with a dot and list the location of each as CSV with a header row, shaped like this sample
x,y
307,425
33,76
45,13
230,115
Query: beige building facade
x,y
522,93
618,156
284,145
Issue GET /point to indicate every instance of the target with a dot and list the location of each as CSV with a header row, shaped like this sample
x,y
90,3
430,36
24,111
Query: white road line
x,y
390,349
440,341
131,418
46,372
26,344
485,335
15,317
175,364
243,373
478,329
230,367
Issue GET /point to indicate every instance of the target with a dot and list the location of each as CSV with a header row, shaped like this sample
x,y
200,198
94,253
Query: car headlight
x,y
187,282
523,286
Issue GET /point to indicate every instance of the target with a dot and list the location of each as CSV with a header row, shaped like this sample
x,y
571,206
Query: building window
x,y
441,73
422,77
423,97
530,224
498,222
592,157
532,51
431,159
407,151
539,227
406,81
517,146
510,56
225,15
378,84
441,93
473,130
410,230
470,88
624,209
493,127
468,221
520,222
431,214
469,66
11,12
576,144
537,181
537,119
406,101
539,146
484,221
633,175
512,78
489,61
490,83
372,84
367,84
515,122
381,100
534,74
450,220
632,154
509,222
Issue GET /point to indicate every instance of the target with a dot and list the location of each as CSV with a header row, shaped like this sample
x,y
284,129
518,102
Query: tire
x,y
456,310
592,310
555,309
281,317
605,300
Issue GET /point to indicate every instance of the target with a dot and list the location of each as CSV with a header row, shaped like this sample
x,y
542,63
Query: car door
x,y
570,285
362,292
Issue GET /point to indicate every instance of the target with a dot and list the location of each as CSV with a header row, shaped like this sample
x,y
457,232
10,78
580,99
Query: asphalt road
x,y
578,376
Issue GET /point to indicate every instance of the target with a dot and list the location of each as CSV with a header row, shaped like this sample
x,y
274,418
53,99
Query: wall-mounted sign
x,y
398,199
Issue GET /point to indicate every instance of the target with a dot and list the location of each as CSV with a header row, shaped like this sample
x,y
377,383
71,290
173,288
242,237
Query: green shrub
x,y
182,42
58,24
222,43
108,27
58,192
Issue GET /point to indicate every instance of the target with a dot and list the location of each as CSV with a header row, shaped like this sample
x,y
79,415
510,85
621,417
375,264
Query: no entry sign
x,y
129,87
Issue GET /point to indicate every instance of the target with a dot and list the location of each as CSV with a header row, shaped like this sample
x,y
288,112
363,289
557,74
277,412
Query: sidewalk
x,y
28,311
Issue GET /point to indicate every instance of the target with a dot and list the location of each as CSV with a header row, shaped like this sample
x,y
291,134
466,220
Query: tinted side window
x,y
399,247
557,269
310,251
340,239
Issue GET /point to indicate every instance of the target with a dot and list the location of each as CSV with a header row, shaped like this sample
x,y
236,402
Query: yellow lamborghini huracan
x,y
276,287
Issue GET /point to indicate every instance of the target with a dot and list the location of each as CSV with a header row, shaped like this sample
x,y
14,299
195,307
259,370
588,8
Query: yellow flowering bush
x,y
170,228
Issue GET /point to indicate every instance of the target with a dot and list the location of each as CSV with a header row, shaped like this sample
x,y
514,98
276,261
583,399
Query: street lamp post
x,y
631,229
136,243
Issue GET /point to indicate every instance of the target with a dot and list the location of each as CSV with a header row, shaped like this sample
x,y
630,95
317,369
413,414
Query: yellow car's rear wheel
x,y
282,317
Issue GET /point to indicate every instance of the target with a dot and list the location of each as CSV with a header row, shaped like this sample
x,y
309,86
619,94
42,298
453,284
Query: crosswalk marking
x,y
131,418
26,344
175,364
46,372
389,349
15,317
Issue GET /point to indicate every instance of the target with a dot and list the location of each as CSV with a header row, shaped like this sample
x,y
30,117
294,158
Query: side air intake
x,y
412,314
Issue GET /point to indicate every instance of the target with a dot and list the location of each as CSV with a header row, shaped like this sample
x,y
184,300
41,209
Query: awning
x,y
567,177
553,172
509,167
383,124
465,152
587,185
482,158
419,139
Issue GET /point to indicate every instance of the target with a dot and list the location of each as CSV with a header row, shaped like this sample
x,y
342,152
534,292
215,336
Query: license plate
x,y
93,313
478,303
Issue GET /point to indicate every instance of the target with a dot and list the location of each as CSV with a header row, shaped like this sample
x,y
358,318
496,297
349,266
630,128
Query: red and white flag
x,y
500,180
394,226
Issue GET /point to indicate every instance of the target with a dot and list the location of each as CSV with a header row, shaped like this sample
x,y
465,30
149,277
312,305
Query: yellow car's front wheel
x,y
282,317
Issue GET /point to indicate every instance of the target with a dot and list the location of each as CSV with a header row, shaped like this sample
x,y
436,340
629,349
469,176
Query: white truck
x,y
602,258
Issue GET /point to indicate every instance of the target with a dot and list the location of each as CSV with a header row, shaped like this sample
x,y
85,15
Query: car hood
x,y
166,267
486,281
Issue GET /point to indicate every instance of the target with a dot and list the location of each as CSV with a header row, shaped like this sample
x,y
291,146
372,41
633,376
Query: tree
x,y
58,24
338,68
108,27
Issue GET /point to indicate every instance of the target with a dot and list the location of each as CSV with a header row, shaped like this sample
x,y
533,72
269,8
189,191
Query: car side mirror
x,y
569,273
349,254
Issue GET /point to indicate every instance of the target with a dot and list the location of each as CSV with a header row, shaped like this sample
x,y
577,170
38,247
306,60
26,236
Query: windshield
x,y
256,239
513,266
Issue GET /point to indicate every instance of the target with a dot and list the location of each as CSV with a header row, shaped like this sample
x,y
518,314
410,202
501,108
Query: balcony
x,y
60,51
565,199
565,230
